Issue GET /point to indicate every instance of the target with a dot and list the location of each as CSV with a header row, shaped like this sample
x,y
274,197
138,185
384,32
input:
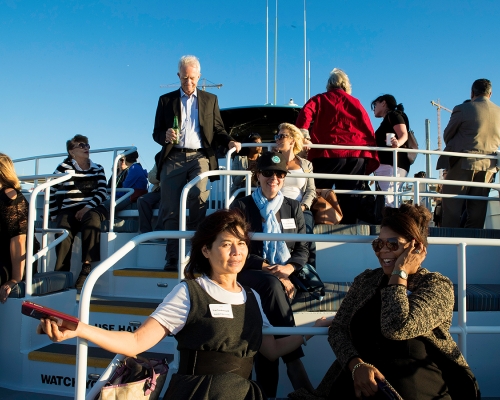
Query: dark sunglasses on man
x,y
269,173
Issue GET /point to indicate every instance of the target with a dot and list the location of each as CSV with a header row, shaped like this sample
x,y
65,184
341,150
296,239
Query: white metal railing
x,y
462,329
122,150
397,195
30,235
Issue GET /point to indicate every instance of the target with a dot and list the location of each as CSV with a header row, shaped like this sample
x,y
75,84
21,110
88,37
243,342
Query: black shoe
x,y
172,265
83,275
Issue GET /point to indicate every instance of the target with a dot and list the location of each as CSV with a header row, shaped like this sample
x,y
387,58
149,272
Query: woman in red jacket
x,y
339,119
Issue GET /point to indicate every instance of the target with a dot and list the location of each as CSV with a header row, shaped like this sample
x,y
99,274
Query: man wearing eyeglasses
x,y
189,152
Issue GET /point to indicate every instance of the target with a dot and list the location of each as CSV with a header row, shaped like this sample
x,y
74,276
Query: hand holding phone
x,y
61,319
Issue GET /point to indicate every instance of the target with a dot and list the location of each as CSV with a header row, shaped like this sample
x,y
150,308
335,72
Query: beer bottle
x,y
175,127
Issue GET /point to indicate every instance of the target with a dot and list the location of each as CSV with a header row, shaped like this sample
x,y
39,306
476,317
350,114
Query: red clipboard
x,y
37,311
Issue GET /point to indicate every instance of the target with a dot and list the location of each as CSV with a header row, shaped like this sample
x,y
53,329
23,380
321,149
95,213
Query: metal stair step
x,y
145,273
97,357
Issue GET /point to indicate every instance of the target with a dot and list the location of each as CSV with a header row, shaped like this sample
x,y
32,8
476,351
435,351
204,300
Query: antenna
x,y
439,107
305,56
276,55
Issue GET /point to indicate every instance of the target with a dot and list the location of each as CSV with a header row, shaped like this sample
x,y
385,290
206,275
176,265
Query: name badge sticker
x,y
221,310
288,223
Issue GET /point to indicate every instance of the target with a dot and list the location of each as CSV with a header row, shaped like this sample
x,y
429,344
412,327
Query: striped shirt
x,y
86,188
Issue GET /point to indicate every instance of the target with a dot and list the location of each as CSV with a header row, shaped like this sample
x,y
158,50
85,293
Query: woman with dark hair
x,y
216,321
245,161
393,327
78,206
271,263
394,122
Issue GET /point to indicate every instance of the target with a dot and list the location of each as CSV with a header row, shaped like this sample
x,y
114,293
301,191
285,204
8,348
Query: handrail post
x,y
462,298
37,168
395,175
45,225
416,193
228,178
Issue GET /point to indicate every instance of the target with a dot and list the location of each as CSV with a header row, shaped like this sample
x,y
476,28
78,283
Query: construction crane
x,y
203,85
439,107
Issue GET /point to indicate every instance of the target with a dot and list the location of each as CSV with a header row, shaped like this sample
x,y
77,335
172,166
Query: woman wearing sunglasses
x,y
78,206
289,142
270,263
393,325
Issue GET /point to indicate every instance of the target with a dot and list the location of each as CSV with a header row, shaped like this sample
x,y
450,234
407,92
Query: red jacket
x,y
339,119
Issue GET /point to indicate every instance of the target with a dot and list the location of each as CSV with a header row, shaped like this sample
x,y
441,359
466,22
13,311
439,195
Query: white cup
x,y
388,138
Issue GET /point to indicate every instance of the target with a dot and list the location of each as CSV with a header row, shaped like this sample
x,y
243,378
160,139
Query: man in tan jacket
x,y
474,128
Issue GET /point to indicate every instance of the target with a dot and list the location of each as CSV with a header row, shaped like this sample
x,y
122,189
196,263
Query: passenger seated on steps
x,y
79,208
13,228
149,201
223,340
271,263
134,177
394,324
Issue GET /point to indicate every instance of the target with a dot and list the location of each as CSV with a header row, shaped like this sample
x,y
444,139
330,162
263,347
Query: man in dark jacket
x,y
189,152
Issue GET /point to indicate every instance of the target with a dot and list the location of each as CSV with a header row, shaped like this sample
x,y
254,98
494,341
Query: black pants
x,y
277,308
89,226
346,166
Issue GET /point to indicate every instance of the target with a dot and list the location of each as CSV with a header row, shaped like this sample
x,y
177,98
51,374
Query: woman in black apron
x,y
216,321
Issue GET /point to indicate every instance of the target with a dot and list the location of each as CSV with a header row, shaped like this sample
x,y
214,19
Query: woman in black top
x,y
395,121
13,227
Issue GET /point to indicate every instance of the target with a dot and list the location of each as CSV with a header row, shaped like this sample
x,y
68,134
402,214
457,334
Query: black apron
x,y
239,337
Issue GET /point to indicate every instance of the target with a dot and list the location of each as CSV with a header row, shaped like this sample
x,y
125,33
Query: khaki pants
x,y
475,209
177,170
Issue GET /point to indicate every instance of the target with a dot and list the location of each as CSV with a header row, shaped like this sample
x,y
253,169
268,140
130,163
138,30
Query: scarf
x,y
276,251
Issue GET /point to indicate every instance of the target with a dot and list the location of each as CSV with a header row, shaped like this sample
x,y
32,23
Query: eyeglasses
x,y
122,160
391,243
269,173
82,146
280,136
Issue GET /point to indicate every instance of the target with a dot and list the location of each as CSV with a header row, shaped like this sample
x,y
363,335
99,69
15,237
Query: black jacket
x,y
211,126
289,209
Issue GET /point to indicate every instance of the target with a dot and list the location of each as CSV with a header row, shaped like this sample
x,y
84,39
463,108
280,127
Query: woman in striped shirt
x,y
77,206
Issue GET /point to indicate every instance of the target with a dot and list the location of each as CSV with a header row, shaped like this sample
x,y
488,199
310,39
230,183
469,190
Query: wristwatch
x,y
305,206
402,274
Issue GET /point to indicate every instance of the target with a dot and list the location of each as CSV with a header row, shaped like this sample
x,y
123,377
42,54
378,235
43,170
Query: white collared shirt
x,y
190,124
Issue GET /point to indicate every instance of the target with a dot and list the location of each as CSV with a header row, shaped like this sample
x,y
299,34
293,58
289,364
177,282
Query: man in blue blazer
x,y
190,152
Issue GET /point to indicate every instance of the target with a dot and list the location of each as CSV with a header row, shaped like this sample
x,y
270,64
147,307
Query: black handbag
x,y
308,280
370,205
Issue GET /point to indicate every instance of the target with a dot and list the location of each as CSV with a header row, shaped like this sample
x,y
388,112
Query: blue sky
x,y
95,67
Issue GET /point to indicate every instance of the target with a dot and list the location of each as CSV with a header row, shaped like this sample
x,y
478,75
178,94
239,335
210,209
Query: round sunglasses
x,y
269,173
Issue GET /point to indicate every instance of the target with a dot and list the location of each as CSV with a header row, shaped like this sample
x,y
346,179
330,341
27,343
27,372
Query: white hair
x,y
339,80
189,60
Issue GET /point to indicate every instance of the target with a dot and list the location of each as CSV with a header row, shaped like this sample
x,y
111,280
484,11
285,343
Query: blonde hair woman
x,y
13,227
